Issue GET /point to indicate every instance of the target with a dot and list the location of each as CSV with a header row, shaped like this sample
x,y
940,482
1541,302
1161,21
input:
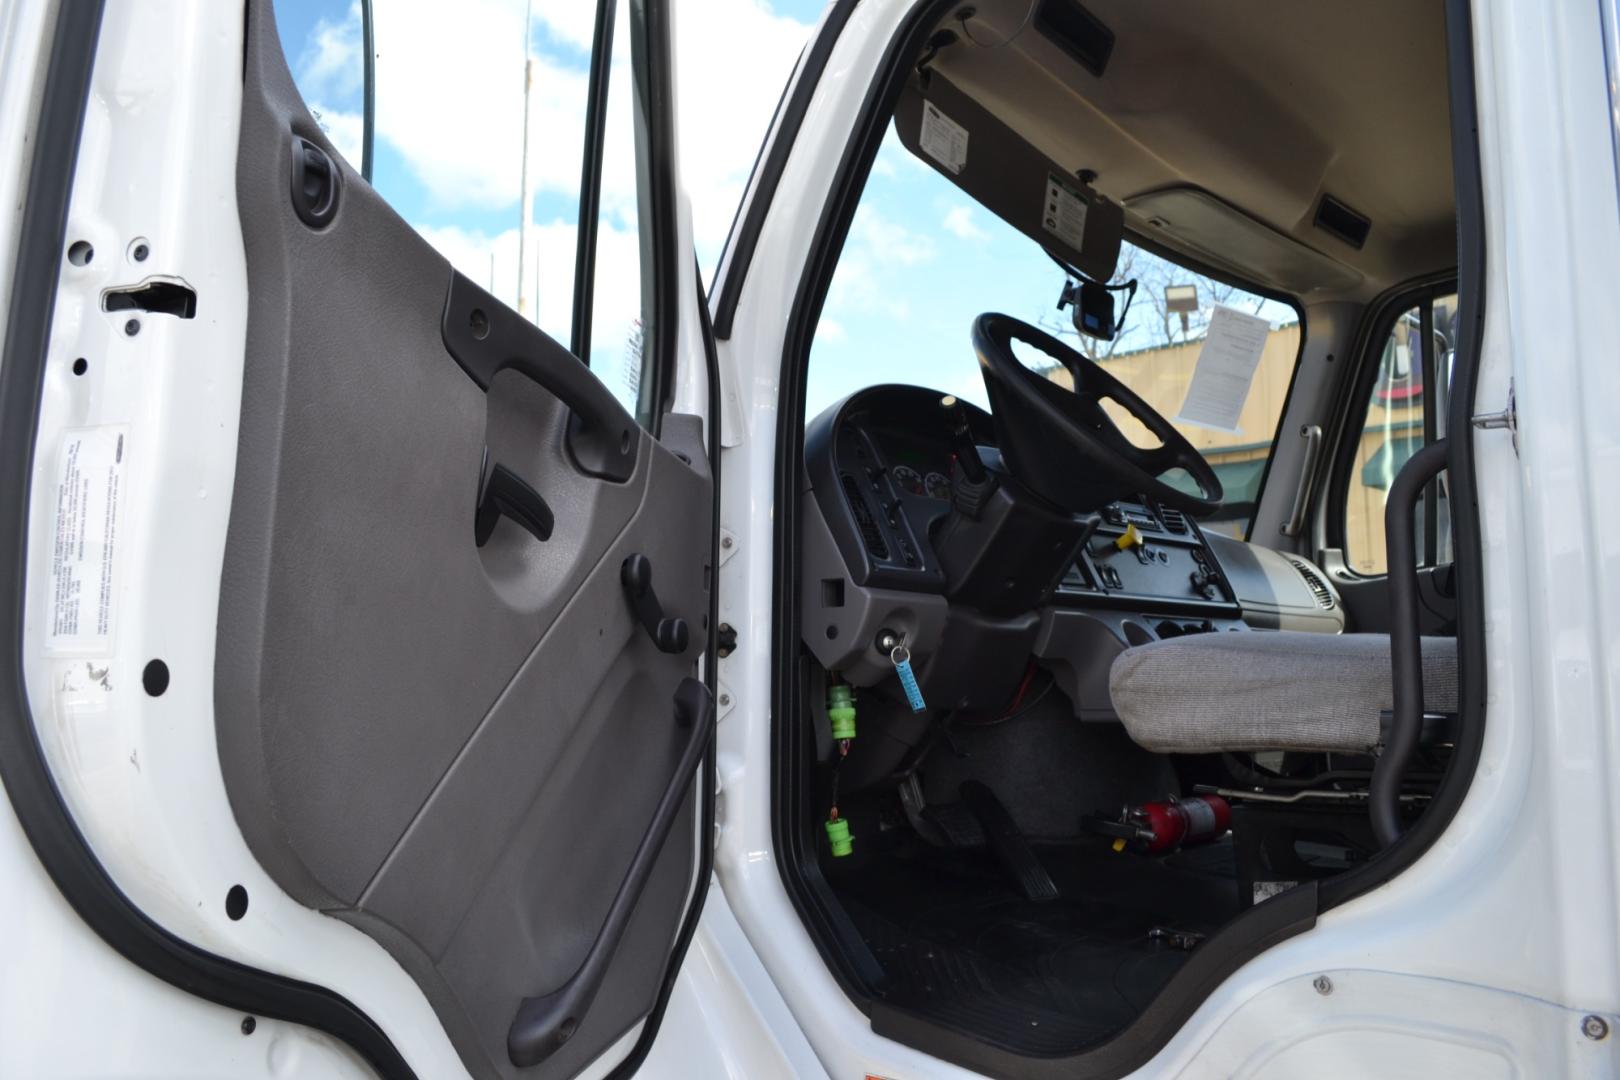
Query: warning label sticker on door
x,y
1064,213
84,541
943,139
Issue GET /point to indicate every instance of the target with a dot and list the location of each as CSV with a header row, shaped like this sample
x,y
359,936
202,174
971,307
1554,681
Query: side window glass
x,y
1405,410
621,294
481,141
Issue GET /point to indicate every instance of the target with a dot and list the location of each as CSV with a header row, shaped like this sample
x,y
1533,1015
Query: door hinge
x,y
1508,418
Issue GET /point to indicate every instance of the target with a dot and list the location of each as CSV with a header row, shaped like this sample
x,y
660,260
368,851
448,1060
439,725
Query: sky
x,y
921,260
449,126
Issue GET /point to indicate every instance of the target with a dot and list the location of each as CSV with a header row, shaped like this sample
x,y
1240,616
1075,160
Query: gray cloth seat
x,y
1268,690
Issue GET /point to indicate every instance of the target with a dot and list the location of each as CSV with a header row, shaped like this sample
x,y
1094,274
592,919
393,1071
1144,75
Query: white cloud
x,y
868,279
830,332
889,241
732,60
331,58
550,255
573,21
450,98
891,154
959,221
345,129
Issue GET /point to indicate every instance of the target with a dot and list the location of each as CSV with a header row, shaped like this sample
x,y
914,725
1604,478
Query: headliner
x,y
1265,106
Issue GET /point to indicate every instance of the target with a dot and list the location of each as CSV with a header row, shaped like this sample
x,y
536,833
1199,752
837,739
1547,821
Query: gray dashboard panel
x,y
1116,596
1272,590
842,620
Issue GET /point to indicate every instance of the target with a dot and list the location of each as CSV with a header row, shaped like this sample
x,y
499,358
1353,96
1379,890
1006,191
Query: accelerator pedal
x,y
944,825
1001,835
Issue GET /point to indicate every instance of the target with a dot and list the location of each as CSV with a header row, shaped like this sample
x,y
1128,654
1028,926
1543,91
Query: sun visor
x,y
1001,171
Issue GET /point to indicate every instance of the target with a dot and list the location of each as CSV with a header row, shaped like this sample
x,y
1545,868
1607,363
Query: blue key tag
x,y
901,656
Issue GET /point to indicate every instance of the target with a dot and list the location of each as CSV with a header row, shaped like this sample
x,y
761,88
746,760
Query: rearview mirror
x,y
1093,312
1091,307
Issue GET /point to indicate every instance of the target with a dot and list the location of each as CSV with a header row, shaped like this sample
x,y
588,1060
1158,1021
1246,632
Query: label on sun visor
x,y
84,541
943,139
1064,214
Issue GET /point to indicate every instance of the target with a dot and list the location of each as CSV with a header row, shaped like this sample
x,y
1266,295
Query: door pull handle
x,y
669,633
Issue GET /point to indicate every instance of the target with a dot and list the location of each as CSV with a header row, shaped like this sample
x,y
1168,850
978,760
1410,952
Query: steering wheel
x,y
1063,445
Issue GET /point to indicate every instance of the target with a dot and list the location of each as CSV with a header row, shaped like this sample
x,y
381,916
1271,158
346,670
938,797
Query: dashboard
x,y
884,480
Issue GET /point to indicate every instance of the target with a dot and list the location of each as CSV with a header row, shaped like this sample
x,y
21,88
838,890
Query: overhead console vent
x,y
1337,219
1203,226
1077,32
871,535
1313,581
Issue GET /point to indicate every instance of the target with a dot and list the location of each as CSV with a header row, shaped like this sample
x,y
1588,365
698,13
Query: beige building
x,y
1393,429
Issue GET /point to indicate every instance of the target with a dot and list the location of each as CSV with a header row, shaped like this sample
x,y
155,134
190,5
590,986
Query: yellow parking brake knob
x,y
1130,538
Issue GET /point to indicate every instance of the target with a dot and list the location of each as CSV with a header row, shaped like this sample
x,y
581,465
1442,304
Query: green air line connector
x,y
838,836
841,711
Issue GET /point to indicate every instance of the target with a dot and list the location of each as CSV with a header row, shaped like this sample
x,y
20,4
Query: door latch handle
x,y
669,633
502,492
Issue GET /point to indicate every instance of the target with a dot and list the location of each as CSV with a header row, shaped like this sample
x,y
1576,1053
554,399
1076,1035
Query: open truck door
x,y
354,628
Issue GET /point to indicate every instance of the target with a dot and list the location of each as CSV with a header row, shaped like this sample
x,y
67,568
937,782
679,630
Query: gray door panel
x,y
456,748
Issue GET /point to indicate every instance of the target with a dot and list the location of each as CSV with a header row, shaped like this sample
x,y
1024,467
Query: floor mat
x,y
959,942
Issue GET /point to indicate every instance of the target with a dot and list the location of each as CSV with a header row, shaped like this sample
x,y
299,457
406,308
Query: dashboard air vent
x,y
1174,520
1318,587
871,535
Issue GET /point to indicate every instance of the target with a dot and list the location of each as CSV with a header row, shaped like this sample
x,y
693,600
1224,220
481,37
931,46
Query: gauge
x,y
938,485
908,479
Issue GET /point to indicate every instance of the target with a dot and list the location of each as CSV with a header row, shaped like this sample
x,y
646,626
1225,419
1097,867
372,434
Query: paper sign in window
x,y
1225,370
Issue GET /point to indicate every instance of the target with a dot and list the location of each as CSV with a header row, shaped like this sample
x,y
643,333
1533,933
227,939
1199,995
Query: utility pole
x,y
527,196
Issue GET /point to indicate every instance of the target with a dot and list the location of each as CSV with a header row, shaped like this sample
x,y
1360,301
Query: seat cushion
x,y
1268,690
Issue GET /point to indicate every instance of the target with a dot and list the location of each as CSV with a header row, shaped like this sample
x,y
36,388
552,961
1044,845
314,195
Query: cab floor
x,y
958,942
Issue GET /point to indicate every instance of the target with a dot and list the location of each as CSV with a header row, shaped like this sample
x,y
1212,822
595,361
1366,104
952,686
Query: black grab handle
x,y
543,1024
1405,645
486,337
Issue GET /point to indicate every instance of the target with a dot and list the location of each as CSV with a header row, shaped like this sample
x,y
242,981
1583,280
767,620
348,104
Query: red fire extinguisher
x,y
1158,827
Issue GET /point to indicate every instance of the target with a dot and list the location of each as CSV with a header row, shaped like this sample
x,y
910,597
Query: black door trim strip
x,y
45,819
590,183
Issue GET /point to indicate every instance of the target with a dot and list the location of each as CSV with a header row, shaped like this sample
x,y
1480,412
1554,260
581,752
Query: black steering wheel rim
x,y
1048,434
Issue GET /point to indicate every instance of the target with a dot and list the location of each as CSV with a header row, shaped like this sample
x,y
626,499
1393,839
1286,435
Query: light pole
x,y
527,195
1182,299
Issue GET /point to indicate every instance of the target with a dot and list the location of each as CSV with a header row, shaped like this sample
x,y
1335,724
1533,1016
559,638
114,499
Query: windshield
x,y
922,261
